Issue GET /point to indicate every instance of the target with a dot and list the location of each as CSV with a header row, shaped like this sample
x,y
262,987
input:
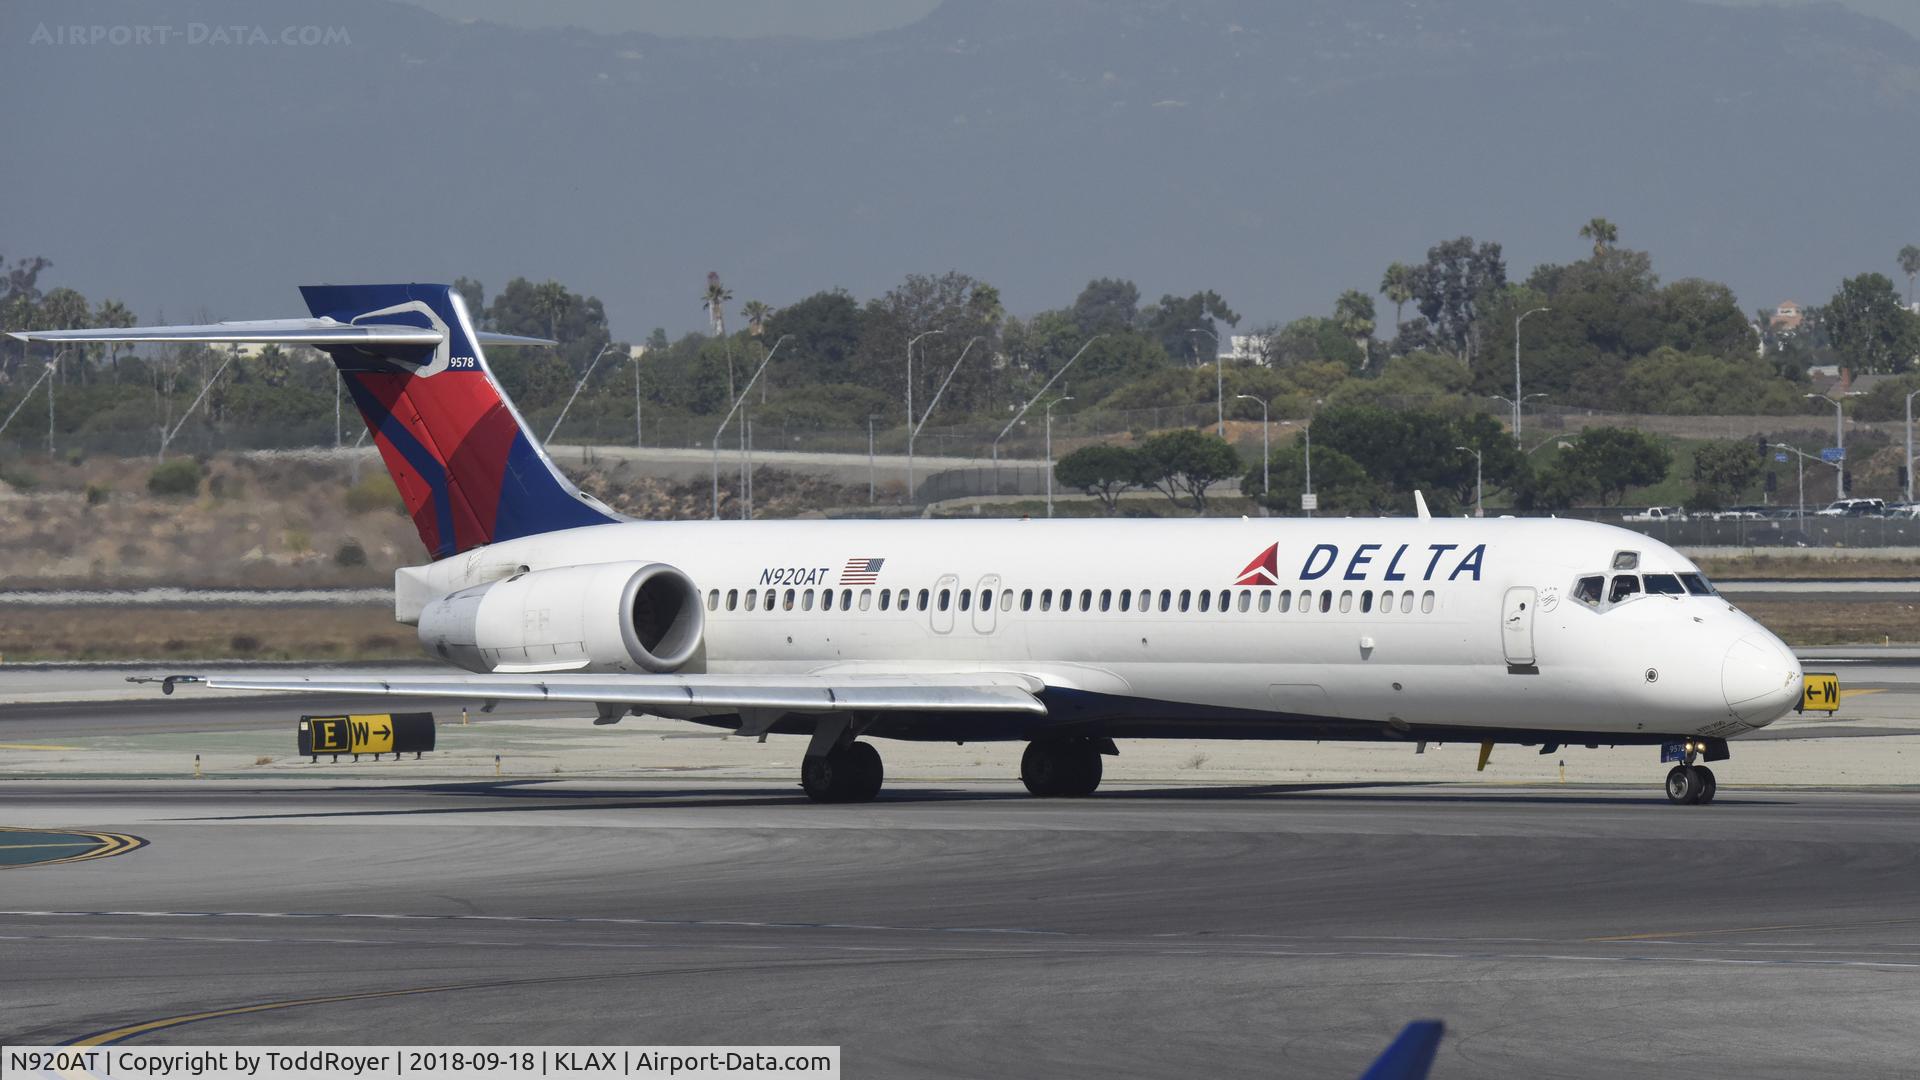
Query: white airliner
x,y
1067,635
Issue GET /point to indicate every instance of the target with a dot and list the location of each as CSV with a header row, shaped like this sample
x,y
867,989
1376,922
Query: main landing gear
x,y
1691,785
851,772
1063,767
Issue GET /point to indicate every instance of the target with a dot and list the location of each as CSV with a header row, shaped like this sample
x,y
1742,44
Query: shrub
x,y
350,554
179,477
97,494
375,492
17,478
244,644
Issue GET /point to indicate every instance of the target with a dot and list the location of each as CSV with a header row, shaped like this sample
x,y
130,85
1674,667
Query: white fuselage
x,y
1335,626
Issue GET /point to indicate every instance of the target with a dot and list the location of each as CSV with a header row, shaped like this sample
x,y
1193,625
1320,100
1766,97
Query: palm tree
x,y
1397,285
715,299
113,313
1602,232
1910,265
1353,313
552,299
756,313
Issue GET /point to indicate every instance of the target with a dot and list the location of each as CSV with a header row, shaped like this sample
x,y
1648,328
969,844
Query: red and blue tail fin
x,y
469,470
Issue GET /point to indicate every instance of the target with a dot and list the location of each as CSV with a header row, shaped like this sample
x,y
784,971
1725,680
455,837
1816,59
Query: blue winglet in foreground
x,y
1411,1053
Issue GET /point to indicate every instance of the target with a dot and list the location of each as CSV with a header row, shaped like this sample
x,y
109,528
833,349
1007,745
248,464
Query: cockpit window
x,y
1664,585
1696,585
1589,589
1626,560
1624,586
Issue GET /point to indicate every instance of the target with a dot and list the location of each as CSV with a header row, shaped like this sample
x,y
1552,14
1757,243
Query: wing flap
x,y
802,693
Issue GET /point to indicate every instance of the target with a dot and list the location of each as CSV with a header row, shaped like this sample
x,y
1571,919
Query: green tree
x,y
756,313
1602,232
1353,314
1176,323
1722,471
1101,470
1869,328
473,294
1608,460
824,331
1910,266
1341,486
1183,463
1397,286
1106,306
113,314
1453,285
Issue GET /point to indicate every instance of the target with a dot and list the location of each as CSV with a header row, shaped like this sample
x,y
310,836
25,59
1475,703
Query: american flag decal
x,y
861,572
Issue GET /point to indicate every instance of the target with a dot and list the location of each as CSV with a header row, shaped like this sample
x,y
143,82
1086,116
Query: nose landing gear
x,y
1691,785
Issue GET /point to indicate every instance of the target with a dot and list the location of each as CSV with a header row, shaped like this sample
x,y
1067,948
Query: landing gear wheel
x,y
1708,785
850,773
1685,784
1061,767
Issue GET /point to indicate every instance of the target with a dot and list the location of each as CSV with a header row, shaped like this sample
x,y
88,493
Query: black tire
x,y
1041,769
1086,771
862,770
1683,785
818,778
1709,787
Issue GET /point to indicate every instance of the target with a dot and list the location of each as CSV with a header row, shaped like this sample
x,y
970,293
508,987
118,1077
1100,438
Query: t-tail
x,y
467,467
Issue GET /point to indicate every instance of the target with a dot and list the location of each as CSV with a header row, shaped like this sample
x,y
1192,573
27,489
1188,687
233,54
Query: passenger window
x,y
1366,601
1346,601
1186,599
1426,602
946,599
1006,599
866,599
768,606
886,599
1066,599
846,599
806,600
1126,599
966,600
1246,600
713,599
1106,599
1306,601
1665,585
1326,601
923,600
1286,601
1386,602
1046,600
789,600
1266,599
986,599
1166,599
1624,586
1206,598
1086,599
1588,590
826,599
753,599
1223,599
1026,599
1696,585
733,599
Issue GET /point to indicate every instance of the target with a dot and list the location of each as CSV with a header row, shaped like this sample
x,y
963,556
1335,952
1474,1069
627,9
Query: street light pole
x,y
1030,401
1800,461
1909,458
1219,381
1516,368
1840,443
588,374
1479,487
1266,453
1309,431
639,432
728,419
1049,413
910,342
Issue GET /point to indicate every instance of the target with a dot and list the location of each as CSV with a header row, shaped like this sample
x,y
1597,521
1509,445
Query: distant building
x,y
1246,348
1787,317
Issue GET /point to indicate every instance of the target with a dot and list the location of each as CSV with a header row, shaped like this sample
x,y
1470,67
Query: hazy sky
x,y
835,18
697,18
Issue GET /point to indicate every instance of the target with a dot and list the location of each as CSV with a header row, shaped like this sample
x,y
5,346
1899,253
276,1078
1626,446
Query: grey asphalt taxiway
x,y
967,930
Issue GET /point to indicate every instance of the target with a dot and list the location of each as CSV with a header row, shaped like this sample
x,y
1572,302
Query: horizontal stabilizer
x,y
1410,1057
272,331
1008,693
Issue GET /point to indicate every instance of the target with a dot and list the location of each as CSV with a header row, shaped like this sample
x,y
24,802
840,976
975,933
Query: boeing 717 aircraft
x,y
1067,635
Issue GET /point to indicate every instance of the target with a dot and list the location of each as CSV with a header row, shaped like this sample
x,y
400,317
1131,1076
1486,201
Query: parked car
x,y
1855,508
1657,513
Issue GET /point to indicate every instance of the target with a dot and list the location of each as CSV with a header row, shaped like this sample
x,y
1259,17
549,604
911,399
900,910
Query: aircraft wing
x,y
273,331
966,692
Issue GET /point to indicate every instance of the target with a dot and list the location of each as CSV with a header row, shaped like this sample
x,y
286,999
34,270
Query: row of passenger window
x,y
1386,601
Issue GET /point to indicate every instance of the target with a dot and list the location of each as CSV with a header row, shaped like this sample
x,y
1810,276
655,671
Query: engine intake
x,y
604,617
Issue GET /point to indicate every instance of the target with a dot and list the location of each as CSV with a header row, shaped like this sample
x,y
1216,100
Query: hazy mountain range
x,y
1277,152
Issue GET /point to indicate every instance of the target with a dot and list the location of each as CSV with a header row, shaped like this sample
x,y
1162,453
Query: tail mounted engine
x,y
605,617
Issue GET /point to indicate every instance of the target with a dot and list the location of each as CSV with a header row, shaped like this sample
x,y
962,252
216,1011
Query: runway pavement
x,y
966,930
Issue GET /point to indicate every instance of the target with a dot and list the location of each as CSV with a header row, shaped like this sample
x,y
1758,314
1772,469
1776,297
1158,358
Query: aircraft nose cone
x,y
1760,678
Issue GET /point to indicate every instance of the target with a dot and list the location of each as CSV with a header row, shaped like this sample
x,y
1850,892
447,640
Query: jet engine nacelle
x,y
603,617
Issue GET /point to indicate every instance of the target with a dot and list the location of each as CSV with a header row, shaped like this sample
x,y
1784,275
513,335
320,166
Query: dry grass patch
x,y
223,633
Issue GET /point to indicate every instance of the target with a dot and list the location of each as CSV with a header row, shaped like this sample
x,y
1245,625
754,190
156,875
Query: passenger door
x,y
1516,627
